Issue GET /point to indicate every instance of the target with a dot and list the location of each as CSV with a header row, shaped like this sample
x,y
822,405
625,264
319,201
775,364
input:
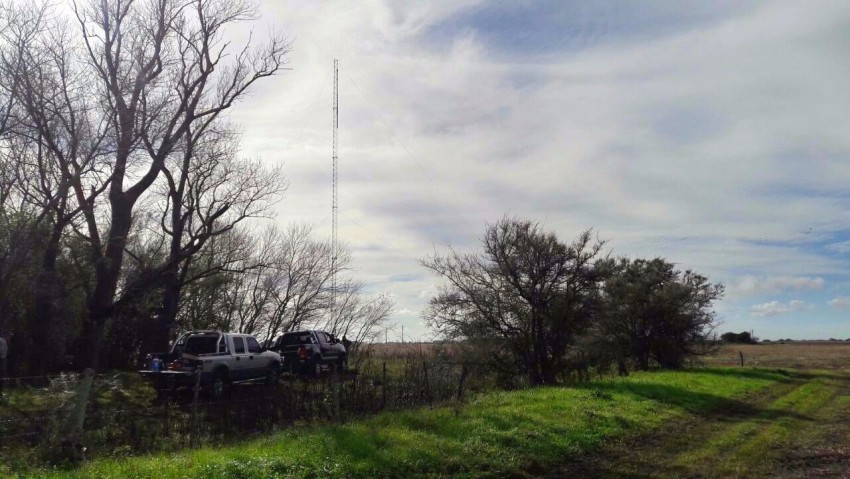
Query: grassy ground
x,y
715,422
796,428
519,434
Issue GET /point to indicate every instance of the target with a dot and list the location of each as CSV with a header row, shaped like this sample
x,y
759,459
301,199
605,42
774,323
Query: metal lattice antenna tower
x,y
335,197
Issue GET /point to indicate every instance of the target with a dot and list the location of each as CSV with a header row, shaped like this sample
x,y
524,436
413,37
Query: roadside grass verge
x,y
516,433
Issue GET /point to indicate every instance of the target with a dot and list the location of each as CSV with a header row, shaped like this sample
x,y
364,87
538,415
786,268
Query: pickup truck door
x,y
326,345
241,363
257,364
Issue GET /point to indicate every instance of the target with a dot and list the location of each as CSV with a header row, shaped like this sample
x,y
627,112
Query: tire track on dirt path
x,y
824,450
746,438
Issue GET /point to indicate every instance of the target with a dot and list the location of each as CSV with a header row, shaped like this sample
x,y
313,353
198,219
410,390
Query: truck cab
x,y
311,352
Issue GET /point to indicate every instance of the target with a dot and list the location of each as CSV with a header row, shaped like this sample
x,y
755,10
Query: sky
x,y
713,134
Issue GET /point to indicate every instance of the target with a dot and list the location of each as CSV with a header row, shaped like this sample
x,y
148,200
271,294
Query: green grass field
x,y
519,433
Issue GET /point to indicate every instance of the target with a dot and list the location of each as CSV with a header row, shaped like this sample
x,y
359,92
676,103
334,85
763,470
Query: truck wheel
x,y
218,384
343,365
317,367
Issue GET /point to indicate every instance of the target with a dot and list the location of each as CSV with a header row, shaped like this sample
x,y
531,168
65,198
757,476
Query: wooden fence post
x,y
741,353
78,415
335,393
427,384
463,373
195,394
384,387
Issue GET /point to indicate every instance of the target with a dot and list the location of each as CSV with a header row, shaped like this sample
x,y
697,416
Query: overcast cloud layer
x,y
714,134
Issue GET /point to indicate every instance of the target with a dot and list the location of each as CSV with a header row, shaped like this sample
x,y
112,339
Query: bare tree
x,y
207,191
138,78
294,287
290,287
160,67
356,317
56,140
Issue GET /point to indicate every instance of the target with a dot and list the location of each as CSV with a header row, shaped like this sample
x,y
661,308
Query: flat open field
x,y
795,354
791,354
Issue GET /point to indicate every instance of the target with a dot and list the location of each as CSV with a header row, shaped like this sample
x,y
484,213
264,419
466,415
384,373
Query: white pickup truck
x,y
220,358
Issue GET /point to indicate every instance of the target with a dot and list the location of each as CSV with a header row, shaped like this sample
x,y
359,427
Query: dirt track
x,y
799,428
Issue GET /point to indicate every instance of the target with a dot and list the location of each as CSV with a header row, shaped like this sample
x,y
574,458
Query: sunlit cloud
x,y
709,133
776,308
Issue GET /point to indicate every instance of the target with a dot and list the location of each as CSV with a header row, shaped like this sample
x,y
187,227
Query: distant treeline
x,y
741,338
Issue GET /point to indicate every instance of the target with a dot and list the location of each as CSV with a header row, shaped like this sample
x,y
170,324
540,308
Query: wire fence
x,y
803,361
181,418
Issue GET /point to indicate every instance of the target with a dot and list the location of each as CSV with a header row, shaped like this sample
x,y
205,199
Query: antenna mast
x,y
335,197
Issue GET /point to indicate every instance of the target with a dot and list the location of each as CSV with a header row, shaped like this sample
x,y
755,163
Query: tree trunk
x,y
621,363
167,316
101,304
40,346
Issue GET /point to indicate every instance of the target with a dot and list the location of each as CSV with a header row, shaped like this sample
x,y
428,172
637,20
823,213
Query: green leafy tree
x,y
656,314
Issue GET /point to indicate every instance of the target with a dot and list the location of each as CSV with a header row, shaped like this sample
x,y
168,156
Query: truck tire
x,y
317,367
343,364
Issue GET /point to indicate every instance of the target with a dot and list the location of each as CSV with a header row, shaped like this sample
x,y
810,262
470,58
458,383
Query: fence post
x,y
463,372
427,384
335,393
290,396
196,393
384,387
741,353
78,416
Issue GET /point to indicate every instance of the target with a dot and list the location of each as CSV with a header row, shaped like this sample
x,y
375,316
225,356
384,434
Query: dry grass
x,y
790,354
794,354
409,350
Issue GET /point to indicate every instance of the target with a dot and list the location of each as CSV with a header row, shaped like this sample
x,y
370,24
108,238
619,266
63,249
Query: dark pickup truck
x,y
220,358
310,352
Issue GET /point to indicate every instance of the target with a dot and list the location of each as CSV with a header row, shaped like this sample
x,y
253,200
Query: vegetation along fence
x,y
127,416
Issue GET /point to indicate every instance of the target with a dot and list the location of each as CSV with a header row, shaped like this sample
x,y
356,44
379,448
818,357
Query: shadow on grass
x,y
693,401
749,373
823,375
774,373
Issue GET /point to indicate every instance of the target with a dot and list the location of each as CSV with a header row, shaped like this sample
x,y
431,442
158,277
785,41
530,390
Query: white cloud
x,y
776,308
753,285
727,136
841,302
